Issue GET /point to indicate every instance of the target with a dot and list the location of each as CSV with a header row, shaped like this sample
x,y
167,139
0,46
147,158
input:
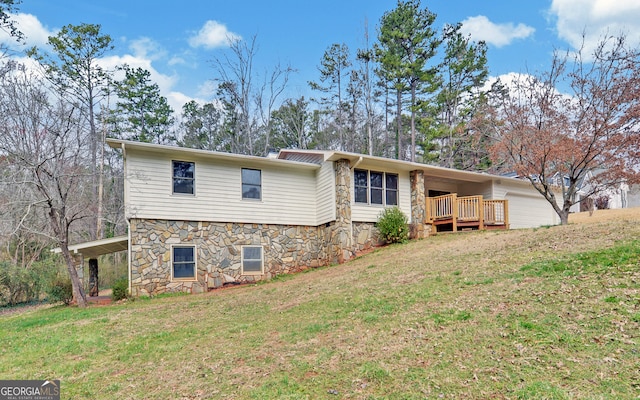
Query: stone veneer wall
x,y
218,252
341,230
365,236
418,228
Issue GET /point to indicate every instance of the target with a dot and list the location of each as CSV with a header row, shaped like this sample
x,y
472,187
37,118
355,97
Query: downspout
x,y
126,218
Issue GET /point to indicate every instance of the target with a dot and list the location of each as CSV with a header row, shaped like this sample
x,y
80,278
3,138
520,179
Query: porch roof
x,y
99,247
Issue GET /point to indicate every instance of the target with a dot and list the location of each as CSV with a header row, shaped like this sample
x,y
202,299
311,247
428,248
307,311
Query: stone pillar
x,y
418,228
78,260
93,277
341,233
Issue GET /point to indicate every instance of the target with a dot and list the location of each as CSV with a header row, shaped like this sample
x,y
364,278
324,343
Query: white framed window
x,y
374,187
183,177
252,260
183,263
251,184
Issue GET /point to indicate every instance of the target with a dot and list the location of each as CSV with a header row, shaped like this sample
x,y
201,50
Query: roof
x,y
98,247
204,154
312,159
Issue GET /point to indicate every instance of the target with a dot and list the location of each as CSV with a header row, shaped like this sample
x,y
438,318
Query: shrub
x,y
392,225
120,289
20,284
61,290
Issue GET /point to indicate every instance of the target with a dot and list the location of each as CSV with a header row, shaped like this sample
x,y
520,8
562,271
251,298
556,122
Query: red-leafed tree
x,y
580,116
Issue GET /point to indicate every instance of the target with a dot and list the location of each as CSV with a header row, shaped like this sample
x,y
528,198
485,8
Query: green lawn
x,y
552,313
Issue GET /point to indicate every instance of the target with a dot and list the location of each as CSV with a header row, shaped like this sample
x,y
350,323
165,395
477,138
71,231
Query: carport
x,y
91,251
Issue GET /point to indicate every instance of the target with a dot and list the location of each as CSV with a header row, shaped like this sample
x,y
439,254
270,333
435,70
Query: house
x,y
611,197
199,219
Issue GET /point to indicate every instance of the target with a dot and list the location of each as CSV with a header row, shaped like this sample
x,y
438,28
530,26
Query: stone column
x,y
418,228
341,233
93,277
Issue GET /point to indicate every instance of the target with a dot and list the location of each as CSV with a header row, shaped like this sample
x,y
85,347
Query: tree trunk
x,y
78,290
413,122
398,123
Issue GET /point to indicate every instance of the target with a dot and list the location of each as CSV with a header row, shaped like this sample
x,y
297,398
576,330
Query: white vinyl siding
x,y
369,212
527,207
289,194
529,211
326,193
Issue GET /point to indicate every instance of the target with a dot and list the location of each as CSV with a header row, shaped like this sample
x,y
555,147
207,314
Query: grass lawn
x,y
550,313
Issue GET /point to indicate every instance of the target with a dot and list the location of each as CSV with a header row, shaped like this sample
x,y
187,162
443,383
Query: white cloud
x,y
35,33
213,34
594,19
480,28
147,48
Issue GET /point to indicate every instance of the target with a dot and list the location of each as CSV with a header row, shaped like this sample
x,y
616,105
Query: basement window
x,y
252,263
183,262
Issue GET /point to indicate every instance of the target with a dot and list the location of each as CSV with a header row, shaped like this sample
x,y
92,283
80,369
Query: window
x,y
183,177
251,183
360,179
391,185
376,187
252,260
371,187
184,262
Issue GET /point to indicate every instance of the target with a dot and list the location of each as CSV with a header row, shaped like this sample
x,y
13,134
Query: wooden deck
x,y
453,213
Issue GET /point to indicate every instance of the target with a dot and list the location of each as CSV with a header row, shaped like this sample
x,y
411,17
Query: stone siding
x,y
418,229
365,236
341,230
218,246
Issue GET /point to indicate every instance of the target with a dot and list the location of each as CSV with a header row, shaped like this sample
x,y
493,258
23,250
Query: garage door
x,y
529,211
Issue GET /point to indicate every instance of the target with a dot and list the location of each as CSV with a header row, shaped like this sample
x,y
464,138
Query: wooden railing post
x,y
506,214
480,213
454,211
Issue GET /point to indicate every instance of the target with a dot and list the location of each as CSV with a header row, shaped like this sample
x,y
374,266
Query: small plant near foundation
x,y
120,289
392,225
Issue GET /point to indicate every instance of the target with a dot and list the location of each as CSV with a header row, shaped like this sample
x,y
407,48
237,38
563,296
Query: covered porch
x,y
91,251
454,213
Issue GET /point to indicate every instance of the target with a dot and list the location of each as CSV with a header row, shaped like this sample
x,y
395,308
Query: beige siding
x,y
288,194
431,184
326,193
527,208
369,213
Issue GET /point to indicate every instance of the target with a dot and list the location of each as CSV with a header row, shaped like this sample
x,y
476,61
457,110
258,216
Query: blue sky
x,y
177,41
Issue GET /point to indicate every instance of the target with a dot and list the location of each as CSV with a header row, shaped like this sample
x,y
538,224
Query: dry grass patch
x,y
548,313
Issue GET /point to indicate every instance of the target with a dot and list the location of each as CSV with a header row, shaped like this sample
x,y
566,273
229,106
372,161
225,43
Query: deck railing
x,y
467,211
495,212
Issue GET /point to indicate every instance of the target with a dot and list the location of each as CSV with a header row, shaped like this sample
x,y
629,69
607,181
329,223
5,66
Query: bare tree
x,y
74,70
545,134
42,151
247,98
7,24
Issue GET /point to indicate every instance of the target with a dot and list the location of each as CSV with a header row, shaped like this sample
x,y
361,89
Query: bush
x,y
19,284
393,226
61,290
120,289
